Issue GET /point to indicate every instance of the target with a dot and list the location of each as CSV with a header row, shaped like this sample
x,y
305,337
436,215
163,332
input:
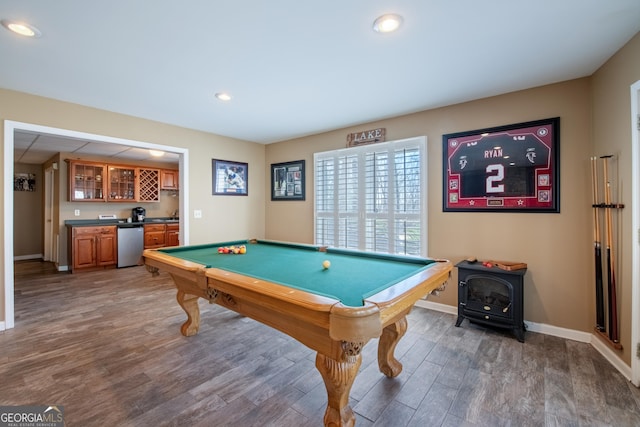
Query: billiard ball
x,y
326,264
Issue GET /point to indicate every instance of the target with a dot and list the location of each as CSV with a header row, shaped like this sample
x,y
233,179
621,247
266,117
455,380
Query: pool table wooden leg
x,y
390,337
338,378
189,304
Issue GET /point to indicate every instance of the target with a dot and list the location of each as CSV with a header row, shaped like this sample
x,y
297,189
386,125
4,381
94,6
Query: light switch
x,y
76,212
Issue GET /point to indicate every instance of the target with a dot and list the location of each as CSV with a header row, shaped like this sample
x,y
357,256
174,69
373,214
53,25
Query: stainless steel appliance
x,y
138,214
130,244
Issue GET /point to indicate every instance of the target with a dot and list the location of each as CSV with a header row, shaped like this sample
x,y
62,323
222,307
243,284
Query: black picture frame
x,y
288,181
512,168
24,181
230,178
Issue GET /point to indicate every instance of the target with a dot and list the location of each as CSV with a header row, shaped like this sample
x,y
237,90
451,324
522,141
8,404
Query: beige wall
x,y
556,247
223,217
612,136
29,213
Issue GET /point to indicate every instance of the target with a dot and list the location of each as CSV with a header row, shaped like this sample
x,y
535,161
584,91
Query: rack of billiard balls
x,y
240,249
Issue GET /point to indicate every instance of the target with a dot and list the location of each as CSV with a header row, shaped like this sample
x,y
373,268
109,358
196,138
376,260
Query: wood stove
x,y
491,296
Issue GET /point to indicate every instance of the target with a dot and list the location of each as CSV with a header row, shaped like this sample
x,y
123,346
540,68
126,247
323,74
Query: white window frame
x,y
391,146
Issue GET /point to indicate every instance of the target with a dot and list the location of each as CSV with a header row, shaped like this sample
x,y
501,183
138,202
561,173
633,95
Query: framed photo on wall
x,y
24,181
230,178
287,181
513,168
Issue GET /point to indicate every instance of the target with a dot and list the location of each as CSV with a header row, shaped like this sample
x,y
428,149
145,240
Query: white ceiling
x,y
37,148
296,67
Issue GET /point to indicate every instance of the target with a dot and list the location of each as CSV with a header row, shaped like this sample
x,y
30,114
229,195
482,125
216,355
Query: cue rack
x,y
605,252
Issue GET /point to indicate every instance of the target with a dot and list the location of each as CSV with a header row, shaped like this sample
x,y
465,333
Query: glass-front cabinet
x,y
100,182
122,184
87,181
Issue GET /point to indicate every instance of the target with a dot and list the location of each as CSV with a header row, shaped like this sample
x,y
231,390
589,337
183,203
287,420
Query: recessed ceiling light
x,y
222,96
387,23
156,153
21,28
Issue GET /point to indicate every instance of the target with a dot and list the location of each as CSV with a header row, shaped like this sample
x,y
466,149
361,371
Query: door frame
x,y
635,238
50,252
10,127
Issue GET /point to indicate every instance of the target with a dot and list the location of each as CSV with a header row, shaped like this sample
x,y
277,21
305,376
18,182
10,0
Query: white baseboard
x,y
2,326
39,256
611,356
436,306
23,257
555,331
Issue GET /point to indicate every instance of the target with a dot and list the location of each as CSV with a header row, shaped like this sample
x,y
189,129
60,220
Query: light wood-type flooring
x,y
107,346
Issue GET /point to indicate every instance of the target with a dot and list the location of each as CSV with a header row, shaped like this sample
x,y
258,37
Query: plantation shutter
x,y
372,198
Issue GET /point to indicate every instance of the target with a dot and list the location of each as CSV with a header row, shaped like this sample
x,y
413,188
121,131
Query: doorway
x,y
9,129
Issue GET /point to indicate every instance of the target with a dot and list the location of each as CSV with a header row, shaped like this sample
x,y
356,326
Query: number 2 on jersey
x,y
495,175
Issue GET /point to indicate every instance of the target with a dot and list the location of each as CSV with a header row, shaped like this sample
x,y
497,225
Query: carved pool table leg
x,y
338,378
189,304
390,337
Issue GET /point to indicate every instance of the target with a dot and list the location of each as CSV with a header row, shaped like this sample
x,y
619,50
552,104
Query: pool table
x,y
334,311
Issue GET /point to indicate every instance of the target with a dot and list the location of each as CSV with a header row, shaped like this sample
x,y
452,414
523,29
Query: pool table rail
x,y
397,298
307,317
192,273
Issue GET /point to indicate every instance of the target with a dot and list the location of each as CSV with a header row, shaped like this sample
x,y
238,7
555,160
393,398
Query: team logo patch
x,y
463,162
531,155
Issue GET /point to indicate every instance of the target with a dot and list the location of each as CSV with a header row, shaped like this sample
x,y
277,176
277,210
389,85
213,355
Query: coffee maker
x,y
138,214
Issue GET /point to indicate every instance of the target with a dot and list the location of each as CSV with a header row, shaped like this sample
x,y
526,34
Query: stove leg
x,y
459,321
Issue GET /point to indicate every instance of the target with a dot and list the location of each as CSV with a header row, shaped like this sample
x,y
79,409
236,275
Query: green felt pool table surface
x,y
351,278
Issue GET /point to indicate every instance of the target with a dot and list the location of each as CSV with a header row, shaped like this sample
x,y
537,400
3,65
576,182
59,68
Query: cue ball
x,y
326,264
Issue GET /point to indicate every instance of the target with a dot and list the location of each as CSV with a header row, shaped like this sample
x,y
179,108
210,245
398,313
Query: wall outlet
x,y
197,213
76,212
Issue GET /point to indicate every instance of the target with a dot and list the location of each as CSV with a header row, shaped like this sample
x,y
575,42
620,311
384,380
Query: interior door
x,y
50,253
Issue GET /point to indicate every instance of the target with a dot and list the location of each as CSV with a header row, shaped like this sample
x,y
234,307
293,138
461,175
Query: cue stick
x,y
611,275
597,248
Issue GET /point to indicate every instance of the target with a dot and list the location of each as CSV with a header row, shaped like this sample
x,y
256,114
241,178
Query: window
x,y
372,197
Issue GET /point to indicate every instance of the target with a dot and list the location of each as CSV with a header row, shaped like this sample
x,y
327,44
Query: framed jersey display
x,y
511,168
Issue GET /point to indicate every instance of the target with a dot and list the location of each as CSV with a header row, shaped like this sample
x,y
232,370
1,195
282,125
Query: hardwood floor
x,y
107,346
